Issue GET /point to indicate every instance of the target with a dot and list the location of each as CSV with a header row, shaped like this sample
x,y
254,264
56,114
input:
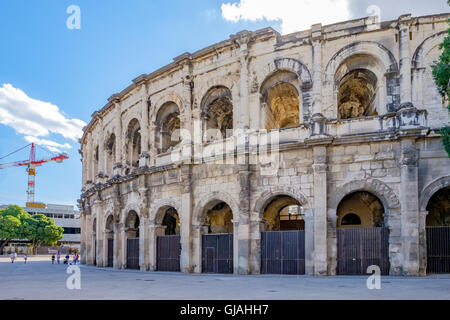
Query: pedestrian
x,y
58,257
25,258
13,256
75,259
53,258
66,260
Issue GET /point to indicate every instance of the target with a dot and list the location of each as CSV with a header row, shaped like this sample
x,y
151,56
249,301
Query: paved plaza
x,y
39,279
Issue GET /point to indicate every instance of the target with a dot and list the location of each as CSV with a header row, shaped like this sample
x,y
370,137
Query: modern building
x,y
65,216
315,152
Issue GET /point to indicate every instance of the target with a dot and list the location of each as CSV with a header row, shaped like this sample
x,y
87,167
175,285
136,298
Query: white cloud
x,y
50,145
295,15
35,118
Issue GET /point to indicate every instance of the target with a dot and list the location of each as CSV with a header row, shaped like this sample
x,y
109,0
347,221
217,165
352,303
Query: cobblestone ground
x,y
39,279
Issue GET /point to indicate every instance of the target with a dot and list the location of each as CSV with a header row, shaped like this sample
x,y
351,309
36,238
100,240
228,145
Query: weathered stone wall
x,y
393,153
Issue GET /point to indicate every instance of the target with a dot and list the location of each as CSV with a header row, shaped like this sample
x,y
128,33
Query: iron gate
x,y
168,253
217,253
360,248
283,252
133,253
110,253
438,250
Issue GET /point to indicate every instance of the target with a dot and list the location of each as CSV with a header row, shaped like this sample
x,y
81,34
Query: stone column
x,y
320,210
409,202
417,90
83,244
117,246
106,236
99,234
423,243
308,217
405,61
145,132
144,241
317,118
186,262
255,244
123,239
242,226
332,242
198,231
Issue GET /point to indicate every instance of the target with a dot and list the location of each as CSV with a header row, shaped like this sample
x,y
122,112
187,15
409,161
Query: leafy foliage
x,y
41,229
12,225
441,74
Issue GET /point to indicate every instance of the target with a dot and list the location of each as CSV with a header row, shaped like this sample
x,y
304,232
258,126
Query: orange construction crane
x,y
31,165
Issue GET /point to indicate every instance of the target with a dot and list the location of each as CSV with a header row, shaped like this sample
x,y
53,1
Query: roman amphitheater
x,y
315,153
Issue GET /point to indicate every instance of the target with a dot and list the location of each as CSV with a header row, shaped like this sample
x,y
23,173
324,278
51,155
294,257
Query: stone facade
x,y
355,109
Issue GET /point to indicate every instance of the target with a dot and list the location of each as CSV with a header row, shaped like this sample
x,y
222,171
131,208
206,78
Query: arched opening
x,y
134,143
356,95
217,240
283,214
217,109
169,243
281,100
438,232
132,231
171,221
283,237
109,237
110,147
96,161
362,238
168,126
360,210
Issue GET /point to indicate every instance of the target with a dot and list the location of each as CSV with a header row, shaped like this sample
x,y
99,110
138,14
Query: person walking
x,y
53,258
58,257
13,256
25,257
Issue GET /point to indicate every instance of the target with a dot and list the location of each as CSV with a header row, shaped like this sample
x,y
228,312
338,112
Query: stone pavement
x,y
39,279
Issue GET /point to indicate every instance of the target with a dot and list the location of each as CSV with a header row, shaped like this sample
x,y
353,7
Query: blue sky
x,y
47,65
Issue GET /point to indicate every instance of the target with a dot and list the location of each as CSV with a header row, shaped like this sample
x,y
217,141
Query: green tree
x,y
42,230
441,74
12,225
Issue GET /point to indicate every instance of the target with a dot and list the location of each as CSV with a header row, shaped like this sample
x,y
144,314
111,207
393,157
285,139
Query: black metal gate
x,y
168,253
438,250
283,252
360,248
133,253
95,252
217,253
110,253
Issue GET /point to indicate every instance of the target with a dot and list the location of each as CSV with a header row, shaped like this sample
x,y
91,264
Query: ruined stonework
x,y
356,112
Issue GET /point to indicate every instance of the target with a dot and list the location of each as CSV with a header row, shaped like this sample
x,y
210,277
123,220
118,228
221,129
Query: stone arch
x,y
266,196
226,82
105,220
158,209
277,73
218,111
110,152
167,123
209,201
425,47
171,96
431,189
378,188
127,210
133,142
363,55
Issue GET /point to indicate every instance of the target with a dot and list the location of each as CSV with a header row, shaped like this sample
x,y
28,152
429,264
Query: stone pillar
x,y
423,243
186,264
198,231
243,38
409,202
106,236
83,244
320,210
254,259
99,234
332,242
144,240
242,226
308,217
417,85
405,61
117,246
123,239
119,142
